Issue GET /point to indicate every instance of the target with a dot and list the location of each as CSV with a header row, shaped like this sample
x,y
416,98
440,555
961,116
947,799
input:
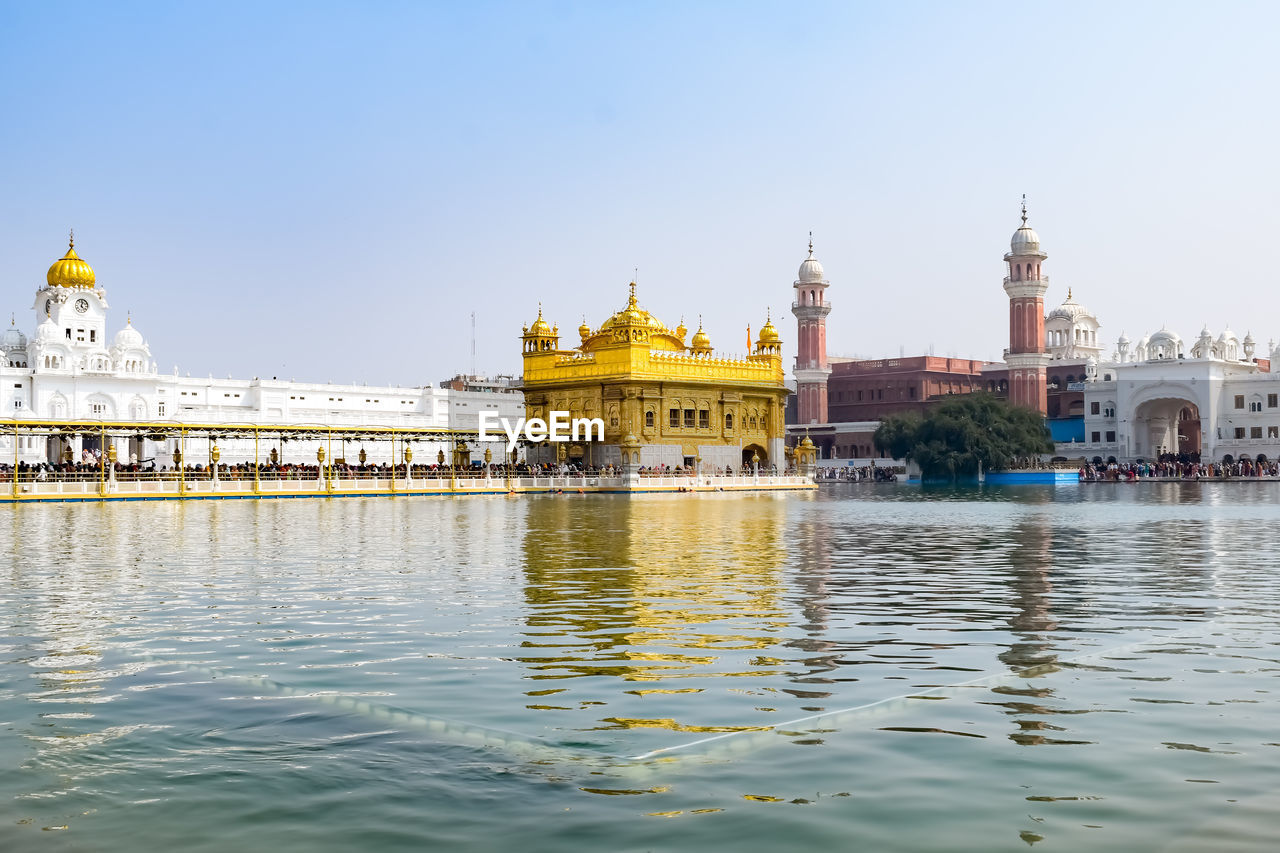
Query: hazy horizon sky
x,y
327,191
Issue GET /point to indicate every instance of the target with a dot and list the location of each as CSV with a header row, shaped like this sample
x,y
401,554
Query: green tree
x,y
962,433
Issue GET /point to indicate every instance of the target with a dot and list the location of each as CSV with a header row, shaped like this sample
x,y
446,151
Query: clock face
x,y
82,305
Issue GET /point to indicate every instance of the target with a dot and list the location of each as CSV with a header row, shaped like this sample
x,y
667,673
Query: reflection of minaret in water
x,y
1032,625
812,573
1031,585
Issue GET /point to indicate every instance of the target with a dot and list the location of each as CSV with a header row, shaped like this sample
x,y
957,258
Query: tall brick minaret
x,y
1026,356
811,309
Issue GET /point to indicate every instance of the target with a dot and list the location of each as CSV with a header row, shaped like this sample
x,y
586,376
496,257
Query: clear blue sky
x,y
328,190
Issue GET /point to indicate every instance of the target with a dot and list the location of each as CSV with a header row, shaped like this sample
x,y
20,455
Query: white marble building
x,y
70,368
1215,398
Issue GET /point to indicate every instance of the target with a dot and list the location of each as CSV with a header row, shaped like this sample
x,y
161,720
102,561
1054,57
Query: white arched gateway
x,y
1209,401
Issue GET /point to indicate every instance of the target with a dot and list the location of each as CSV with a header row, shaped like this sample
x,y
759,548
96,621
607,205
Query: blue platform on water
x,y
1053,476
1033,477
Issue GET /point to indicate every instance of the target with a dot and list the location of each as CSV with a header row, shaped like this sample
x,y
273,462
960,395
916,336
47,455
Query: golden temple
x,y
681,404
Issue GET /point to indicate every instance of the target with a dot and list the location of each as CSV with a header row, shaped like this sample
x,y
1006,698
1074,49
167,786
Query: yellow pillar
x,y
102,457
182,458
15,459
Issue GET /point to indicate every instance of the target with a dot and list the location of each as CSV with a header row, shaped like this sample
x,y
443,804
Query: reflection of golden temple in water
x,y
646,590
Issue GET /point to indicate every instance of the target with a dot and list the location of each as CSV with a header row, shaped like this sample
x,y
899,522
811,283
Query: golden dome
x,y
540,326
632,324
70,270
768,334
682,329
634,315
807,443
584,330
701,340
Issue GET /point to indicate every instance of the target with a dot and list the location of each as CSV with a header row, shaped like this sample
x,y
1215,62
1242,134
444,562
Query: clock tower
x,y
75,304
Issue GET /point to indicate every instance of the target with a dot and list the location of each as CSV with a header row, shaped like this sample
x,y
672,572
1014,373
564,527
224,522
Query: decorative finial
x,y
1024,208
633,287
13,319
128,318
1068,294
811,244
72,239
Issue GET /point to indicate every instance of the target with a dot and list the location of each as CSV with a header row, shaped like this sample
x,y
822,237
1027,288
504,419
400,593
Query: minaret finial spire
x,y
1024,208
71,240
811,244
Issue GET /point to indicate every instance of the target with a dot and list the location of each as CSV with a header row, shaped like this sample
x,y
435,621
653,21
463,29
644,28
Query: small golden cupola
x,y
584,331
682,329
70,270
768,341
540,326
701,343
541,336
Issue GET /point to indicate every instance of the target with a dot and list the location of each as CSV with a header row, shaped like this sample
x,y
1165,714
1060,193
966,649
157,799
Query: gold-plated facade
x,y
683,403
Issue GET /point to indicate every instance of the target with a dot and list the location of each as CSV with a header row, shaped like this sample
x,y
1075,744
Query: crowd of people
x,y
91,468
1177,467
862,474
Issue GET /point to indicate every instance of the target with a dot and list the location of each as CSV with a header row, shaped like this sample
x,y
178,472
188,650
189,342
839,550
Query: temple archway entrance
x,y
1167,426
754,450
1189,430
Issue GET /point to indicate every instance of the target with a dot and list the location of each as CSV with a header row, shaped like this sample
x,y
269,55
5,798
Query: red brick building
x,y
861,392
870,390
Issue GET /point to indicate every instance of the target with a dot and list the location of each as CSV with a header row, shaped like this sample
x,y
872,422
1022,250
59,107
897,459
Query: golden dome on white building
x,y
71,270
